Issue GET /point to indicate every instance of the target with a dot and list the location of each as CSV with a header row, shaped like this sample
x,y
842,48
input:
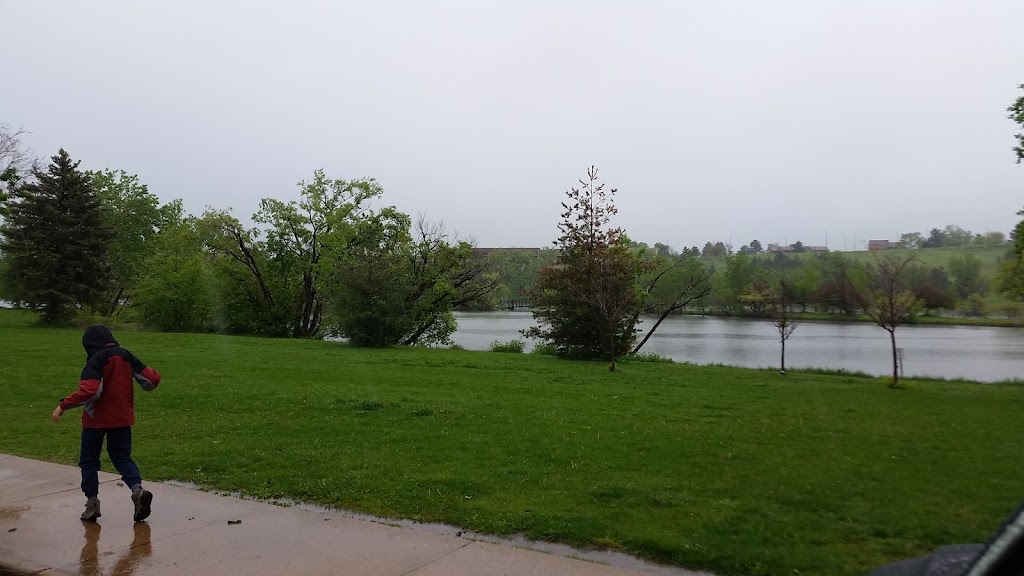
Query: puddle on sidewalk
x,y
91,562
11,512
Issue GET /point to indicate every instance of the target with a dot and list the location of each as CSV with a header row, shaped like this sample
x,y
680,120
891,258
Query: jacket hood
x,y
96,338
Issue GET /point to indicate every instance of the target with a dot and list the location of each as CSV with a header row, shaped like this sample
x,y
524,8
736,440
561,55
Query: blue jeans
x,y
119,447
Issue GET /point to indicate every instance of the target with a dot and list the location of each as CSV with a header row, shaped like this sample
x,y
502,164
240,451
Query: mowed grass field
x,y
735,471
990,256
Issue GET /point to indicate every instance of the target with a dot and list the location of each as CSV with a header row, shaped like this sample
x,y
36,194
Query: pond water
x,y
982,353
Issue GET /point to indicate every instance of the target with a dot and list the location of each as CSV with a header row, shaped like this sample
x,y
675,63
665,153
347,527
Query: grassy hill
x,y
931,257
940,257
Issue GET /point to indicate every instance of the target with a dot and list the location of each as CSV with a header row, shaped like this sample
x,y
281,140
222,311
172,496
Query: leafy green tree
x,y
295,236
728,287
966,271
175,290
957,236
1011,273
836,291
663,250
715,249
369,279
798,247
517,270
973,305
994,239
249,296
951,235
134,216
884,296
55,239
912,240
755,246
586,303
1016,111
804,283
444,277
272,285
932,287
936,239
388,284
755,300
6,291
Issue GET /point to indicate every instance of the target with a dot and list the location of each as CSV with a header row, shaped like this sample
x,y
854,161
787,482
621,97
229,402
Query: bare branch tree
x,y
13,155
885,298
17,163
779,315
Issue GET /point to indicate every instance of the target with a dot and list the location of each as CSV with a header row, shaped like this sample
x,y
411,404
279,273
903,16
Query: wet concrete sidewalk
x,y
194,532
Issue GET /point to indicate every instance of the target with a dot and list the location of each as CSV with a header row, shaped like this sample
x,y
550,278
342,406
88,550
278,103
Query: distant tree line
x,y
948,237
952,236
815,282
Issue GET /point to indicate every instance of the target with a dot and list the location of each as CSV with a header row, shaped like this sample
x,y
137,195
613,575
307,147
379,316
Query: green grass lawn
x,y
732,470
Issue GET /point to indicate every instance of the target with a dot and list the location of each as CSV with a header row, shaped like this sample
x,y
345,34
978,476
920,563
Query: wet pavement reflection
x,y
128,561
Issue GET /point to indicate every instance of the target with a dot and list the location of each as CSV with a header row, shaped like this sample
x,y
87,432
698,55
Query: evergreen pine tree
x,y
588,301
55,242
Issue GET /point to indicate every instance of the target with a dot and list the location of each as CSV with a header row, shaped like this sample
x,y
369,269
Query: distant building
x,y
778,249
884,245
484,252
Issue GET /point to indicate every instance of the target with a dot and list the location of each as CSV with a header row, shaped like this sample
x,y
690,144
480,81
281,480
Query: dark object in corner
x,y
1002,556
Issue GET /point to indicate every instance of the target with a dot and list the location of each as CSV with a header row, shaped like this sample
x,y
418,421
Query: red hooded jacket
x,y
105,391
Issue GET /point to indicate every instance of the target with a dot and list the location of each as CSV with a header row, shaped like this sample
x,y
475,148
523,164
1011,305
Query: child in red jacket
x,y
108,399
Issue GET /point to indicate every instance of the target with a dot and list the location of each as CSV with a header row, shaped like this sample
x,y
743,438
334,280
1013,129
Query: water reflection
x,y
129,560
975,352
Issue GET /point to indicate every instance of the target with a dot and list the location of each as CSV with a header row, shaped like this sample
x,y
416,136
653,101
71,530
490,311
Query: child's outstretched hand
x,y
57,412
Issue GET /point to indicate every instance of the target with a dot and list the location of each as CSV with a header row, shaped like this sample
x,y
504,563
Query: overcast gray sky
x,y
781,121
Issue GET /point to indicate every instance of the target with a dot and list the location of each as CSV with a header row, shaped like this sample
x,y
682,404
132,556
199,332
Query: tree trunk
x,y
122,305
895,373
782,360
651,331
249,261
420,331
611,347
115,301
306,326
